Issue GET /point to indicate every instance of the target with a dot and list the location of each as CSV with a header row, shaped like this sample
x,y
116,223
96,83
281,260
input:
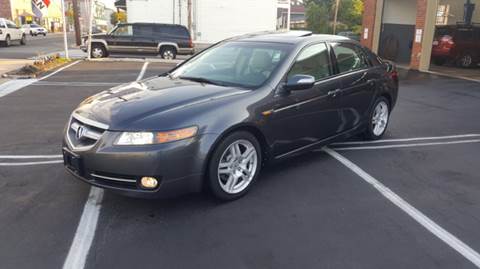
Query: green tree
x,y
320,14
118,17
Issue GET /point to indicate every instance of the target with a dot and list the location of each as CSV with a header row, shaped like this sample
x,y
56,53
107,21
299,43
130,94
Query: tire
x,y
378,119
98,51
168,53
239,173
31,33
466,60
44,34
23,40
7,41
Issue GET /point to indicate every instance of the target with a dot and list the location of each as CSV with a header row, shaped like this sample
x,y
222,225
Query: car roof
x,y
289,37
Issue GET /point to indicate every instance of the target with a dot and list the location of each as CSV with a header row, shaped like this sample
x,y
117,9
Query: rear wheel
x,y
7,42
465,61
234,166
23,41
379,118
168,53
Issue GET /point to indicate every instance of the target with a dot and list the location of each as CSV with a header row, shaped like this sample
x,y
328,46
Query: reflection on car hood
x,y
135,101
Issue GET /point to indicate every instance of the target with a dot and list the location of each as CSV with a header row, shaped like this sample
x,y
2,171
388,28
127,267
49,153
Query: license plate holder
x,y
73,162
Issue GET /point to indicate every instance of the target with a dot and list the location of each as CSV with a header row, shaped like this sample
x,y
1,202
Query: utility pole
x,y
76,22
337,4
65,43
189,7
90,25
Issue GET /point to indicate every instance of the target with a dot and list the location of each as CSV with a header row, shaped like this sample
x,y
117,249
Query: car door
x,y
15,32
144,38
306,117
357,84
121,39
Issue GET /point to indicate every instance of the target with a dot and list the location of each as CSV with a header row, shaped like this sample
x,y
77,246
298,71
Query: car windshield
x,y
244,64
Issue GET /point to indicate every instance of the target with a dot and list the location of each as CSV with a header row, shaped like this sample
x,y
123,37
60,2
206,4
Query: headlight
x,y
148,138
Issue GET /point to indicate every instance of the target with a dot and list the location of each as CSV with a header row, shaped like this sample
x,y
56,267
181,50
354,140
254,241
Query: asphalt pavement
x,y
312,211
36,45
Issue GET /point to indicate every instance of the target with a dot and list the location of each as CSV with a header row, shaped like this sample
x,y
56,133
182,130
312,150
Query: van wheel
x,y
98,51
465,61
7,41
168,53
23,41
234,166
379,118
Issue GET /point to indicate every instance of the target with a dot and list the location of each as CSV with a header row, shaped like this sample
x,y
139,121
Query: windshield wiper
x,y
201,80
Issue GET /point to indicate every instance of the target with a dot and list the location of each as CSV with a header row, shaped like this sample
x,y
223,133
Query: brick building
x,y
404,30
5,9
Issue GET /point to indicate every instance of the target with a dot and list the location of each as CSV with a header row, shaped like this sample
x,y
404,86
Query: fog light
x,y
149,182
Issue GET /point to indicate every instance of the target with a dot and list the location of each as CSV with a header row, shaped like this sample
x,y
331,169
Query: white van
x,y
9,32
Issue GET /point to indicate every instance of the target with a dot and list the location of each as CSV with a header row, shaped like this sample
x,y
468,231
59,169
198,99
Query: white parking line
x,y
30,163
17,84
407,139
418,216
142,72
30,156
87,226
59,70
77,255
409,145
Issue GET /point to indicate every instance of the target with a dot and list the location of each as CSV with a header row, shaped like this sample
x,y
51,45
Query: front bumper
x,y
179,166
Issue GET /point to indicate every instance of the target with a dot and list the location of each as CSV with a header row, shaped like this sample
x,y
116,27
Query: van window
x,y
123,30
143,30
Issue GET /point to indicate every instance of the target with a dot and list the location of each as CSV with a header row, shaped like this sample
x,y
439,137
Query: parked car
x,y
34,29
350,35
458,44
9,32
214,120
168,40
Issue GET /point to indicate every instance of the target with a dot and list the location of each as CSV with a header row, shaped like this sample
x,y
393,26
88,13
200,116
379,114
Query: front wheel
x,y
465,61
7,41
379,118
98,51
234,166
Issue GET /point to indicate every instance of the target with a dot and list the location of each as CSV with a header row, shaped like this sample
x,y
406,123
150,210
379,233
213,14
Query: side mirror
x,y
300,82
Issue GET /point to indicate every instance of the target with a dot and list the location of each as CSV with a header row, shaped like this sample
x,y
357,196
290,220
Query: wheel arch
x,y
247,127
166,44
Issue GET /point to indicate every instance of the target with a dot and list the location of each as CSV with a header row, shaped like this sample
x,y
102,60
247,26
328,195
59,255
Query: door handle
x,y
334,93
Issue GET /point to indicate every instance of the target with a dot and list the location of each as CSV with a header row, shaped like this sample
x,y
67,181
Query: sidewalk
x,y
7,65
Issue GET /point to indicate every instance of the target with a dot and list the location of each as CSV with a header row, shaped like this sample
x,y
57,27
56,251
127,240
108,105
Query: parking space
x,y
306,212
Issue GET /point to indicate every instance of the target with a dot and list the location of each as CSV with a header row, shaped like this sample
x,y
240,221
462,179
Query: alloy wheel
x,y
7,41
97,52
237,166
380,118
466,60
168,55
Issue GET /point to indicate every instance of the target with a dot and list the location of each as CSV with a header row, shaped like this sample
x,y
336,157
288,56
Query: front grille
x,y
82,133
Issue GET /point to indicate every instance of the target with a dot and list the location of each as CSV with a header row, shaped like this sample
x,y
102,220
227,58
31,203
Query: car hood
x,y
127,105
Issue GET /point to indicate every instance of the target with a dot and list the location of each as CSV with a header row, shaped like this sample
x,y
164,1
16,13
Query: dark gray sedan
x,y
216,119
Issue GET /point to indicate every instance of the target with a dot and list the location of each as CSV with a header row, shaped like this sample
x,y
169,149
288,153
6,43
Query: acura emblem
x,y
81,132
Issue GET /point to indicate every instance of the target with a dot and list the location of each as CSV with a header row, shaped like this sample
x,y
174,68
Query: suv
x,y
34,29
168,40
9,32
458,44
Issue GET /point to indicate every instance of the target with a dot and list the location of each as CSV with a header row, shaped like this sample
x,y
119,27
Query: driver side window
x,y
314,61
123,30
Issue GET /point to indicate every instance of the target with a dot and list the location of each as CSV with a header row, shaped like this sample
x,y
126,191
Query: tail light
x,y
190,43
447,41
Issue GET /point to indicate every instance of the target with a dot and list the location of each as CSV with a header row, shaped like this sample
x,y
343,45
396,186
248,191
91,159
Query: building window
x,y
442,14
